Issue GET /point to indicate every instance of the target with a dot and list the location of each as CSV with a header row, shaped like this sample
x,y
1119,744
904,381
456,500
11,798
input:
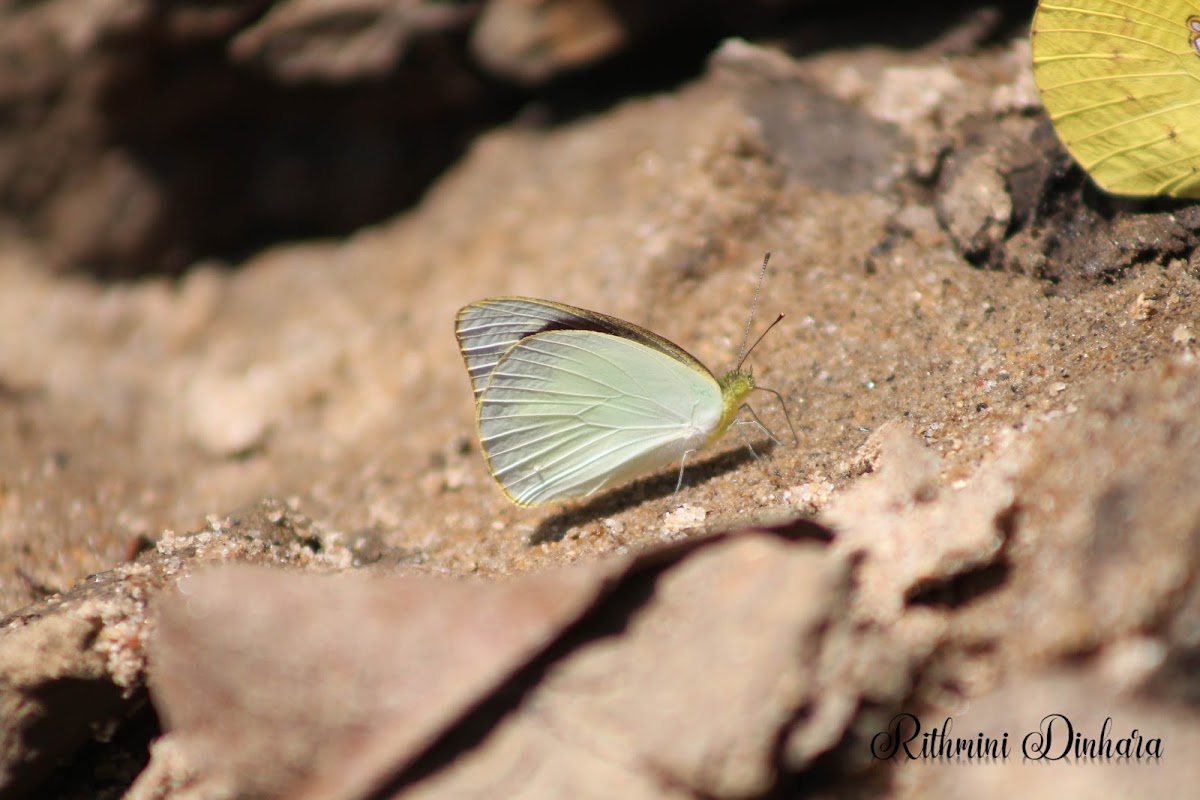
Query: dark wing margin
x,y
487,329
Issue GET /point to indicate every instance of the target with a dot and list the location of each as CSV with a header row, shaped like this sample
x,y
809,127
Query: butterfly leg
x,y
746,439
682,463
758,422
786,415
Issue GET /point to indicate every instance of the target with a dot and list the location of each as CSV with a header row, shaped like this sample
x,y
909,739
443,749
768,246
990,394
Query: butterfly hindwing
x,y
564,413
1120,80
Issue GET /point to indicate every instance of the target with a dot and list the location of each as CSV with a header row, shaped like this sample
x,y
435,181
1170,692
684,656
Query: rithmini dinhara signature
x,y
1056,738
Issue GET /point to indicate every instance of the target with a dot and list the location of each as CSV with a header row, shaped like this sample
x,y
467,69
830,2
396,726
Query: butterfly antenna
x,y
759,339
743,353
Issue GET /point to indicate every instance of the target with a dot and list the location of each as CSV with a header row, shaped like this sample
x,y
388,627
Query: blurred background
x,y
137,137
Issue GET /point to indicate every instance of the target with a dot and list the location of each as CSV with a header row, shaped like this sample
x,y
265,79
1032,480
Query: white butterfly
x,y
569,401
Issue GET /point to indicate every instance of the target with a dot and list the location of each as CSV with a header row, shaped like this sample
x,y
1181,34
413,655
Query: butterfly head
x,y
736,386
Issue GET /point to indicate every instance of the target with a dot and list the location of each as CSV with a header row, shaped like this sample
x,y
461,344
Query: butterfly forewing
x,y
566,412
487,329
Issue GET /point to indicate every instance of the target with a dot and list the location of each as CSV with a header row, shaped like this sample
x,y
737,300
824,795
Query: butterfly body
x,y
570,401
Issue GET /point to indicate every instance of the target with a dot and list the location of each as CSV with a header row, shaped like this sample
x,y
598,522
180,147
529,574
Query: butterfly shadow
x,y
652,487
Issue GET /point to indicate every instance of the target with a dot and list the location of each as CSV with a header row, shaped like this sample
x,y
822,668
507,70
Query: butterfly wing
x,y
566,413
1120,80
487,329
